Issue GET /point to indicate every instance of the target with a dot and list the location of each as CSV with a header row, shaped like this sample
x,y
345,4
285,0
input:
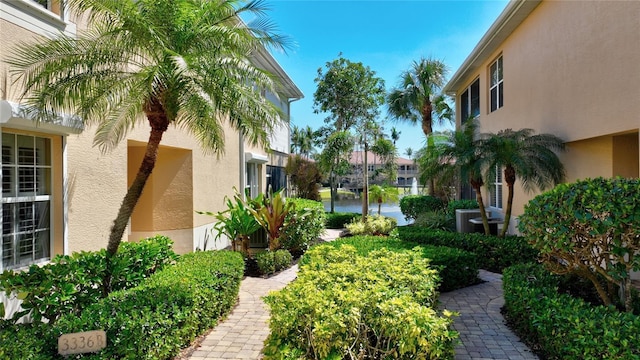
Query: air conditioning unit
x,y
462,219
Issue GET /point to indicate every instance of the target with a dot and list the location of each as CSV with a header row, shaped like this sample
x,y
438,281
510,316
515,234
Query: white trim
x,y
35,18
256,158
65,200
14,115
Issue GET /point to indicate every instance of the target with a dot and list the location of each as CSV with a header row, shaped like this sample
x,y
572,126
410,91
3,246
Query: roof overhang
x,y
510,18
16,116
251,157
263,59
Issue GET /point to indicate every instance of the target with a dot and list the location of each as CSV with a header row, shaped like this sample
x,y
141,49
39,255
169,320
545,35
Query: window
x,y
276,178
470,102
496,190
496,85
26,200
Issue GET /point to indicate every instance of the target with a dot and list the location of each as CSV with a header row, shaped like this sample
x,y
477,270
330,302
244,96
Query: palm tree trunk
x,y
427,128
379,206
365,187
483,212
510,179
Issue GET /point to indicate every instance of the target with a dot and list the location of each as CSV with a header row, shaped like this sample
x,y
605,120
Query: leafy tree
x,y
464,150
531,158
305,176
417,97
333,159
351,94
182,63
381,194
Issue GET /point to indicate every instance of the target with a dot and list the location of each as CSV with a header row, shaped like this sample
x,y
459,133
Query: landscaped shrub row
x,y
304,225
70,283
347,306
494,253
560,326
375,225
457,268
339,220
151,321
414,205
272,261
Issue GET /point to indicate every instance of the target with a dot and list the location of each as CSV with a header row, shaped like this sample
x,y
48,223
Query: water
x,y
355,205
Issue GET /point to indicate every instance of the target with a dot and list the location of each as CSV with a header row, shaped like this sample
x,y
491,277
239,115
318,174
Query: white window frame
x,y
466,105
496,82
496,190
14,198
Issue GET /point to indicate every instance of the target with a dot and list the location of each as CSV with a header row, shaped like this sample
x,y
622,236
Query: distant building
x,y
407,171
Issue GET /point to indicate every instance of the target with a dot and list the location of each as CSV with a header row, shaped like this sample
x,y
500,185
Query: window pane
x,y
464,106
7,251
475,98
26,181
42,215
494,98
43,184
494,74
42,248
25,217
500,69
500,97
8,181
26,244
7,218
25,150
8,146
43,152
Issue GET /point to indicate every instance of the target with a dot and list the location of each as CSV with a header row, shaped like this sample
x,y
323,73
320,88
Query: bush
x,y
343,305
270,261
305,225
494,253
457,268
454,205
568,222
437,220
72,282
414,205
339,220
157,318
23,341
375,225
560,326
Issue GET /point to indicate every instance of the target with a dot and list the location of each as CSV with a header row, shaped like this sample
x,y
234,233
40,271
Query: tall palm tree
x,y
381,194
417,97
464,150
182,63
307,138
532,158
395,135
296,140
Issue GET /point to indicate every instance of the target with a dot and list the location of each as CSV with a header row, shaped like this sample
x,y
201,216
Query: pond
x,y
355,205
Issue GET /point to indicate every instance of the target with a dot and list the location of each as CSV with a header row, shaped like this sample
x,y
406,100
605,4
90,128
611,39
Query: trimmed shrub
x,y
457,268
23,341
160,316
414,205
343,305
72,282
454,205
305,225
437,220
272,261
375,225
494,253
339,220
560,326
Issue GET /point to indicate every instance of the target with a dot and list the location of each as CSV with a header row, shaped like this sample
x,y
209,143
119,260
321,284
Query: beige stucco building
x,y
61,193
569,68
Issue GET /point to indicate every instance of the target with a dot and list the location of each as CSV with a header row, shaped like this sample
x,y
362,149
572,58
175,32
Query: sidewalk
x,y
481,326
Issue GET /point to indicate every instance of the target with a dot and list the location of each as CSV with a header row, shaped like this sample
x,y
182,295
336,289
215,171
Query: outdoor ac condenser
x,y
462,219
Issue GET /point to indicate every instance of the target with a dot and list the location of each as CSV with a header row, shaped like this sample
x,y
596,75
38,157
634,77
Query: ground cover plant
x,y
150,321
456,268
374,225
558,325
494,253
269,262
344,305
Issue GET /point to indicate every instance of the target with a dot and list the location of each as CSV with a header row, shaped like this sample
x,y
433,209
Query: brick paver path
x,y
481,326
483,334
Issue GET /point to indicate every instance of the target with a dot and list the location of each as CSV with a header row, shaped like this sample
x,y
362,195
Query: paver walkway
x,y
481,325
482,330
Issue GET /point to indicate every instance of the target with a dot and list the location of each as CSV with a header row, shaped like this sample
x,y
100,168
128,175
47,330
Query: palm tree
x,y
182,63
417,97
395,135
296,140
307,138
381,194
464,150
531,158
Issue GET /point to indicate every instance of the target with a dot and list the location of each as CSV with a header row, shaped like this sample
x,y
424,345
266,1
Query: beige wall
x,y
571,69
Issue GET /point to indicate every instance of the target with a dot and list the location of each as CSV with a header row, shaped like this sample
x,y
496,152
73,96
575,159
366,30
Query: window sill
x,y
35,18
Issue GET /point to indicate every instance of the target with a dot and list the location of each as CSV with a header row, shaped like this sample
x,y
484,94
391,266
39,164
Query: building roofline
x,y
269,63
511,17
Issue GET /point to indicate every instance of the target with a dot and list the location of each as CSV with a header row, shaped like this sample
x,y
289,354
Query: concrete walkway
x,y
483,334
481,326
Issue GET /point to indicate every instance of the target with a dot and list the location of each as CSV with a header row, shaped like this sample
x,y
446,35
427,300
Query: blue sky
x,y
384,35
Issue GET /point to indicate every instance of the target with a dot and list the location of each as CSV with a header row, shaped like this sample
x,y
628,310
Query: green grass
x,y
325,193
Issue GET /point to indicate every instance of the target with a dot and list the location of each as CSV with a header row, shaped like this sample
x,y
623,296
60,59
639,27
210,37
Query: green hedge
x,y
271,261
345,306
339,220
564,327
306,225
151,321
457,268
414,205
494,253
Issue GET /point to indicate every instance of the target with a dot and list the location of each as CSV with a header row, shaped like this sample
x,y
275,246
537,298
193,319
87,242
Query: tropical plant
x,y
271,213
380,194
464,149
530,157
305,177
386,151
433,167
237,223
395,135
182,63
333,159
417,97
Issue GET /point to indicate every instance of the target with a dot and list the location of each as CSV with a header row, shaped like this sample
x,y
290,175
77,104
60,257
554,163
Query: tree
x,y
172,62
531,158
395,135
386,150
464,150
381,194
305,176
417,97
351,94
333,159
